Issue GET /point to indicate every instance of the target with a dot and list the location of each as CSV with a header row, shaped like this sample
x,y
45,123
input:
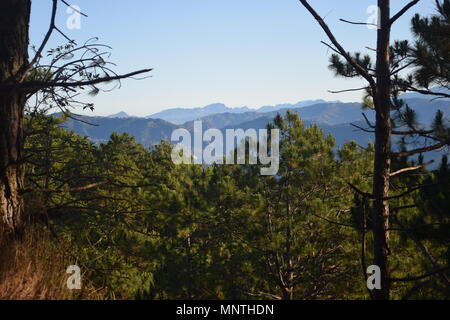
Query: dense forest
x,y
141,227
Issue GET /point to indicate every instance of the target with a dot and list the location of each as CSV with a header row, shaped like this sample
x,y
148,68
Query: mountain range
x,y
183,115
121,114
333,117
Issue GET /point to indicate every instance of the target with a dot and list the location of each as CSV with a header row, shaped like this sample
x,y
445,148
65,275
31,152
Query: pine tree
x,y
384,84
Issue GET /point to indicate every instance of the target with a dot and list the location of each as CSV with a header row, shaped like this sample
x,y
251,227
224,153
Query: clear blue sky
x,y
238,52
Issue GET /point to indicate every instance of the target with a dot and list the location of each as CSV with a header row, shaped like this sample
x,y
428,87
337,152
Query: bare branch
x,y
408,192
330,47
403,11
395,71
359,23
38,54
347,90
361,128
63,34
429,92
74,9
412,132
361,71
419,150
367,121
411,169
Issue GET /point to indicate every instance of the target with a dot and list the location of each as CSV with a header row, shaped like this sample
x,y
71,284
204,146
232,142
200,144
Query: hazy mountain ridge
x,y
121,114
147,132
183,115
334,118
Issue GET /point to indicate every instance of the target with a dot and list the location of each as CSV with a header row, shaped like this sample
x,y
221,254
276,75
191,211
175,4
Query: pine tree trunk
x,y
14,26
382,151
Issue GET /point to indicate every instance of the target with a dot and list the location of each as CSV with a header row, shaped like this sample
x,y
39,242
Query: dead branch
x,y
403,11
411,169
361,71
419,150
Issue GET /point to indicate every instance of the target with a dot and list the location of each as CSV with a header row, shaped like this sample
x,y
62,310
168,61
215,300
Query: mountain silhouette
x,y
333,118
183,115
121,114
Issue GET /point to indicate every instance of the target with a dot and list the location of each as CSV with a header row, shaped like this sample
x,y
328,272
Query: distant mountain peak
x,y
214,106
183,115
121,114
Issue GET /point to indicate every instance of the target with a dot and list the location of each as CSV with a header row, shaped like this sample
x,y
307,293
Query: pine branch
x,y
37,85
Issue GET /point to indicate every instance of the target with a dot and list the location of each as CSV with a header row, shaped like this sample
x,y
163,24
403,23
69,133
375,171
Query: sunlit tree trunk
x,y
14,26
382,162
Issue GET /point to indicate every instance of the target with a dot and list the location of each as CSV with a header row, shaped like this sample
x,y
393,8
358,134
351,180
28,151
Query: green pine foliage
x,y
141,227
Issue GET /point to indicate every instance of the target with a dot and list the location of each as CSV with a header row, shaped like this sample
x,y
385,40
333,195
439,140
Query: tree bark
x,y
14,40
382,161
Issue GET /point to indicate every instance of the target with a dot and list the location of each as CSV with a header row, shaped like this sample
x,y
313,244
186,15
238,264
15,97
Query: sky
x,y
237,52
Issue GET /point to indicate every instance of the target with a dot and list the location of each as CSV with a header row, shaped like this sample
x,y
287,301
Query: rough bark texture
x,y
382,162
14,26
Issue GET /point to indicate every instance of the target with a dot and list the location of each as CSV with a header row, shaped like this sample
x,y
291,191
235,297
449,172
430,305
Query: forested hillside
x,y
102,208
144,228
